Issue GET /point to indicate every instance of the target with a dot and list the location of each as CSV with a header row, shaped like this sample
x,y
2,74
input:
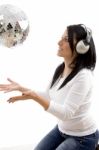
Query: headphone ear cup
x,y
81,48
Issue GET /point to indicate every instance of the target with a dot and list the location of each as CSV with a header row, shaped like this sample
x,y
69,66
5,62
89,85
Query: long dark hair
x,y
87,60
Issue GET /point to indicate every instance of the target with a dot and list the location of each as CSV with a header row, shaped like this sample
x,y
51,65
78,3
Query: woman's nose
x,y
60,42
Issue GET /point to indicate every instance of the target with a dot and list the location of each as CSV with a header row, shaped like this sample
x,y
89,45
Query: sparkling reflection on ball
x,y
14,25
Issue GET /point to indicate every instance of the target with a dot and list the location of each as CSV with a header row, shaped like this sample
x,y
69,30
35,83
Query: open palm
x,y
12,86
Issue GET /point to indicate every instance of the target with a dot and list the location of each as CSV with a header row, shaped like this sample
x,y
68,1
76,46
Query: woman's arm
x,y
26,93
29,94
39,99
76,97
12,86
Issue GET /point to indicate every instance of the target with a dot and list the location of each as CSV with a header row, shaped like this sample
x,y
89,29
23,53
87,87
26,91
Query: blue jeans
x,y
55,140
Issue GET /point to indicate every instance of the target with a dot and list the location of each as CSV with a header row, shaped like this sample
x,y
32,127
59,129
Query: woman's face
x,y
64,47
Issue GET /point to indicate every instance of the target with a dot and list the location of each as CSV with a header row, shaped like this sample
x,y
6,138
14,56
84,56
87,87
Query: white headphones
x,y
83,45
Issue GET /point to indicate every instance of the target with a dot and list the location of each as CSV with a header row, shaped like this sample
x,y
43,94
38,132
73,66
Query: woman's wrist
x,y
23,89
42,101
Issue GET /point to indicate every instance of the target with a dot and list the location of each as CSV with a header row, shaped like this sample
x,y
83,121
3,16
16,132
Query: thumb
x,y
10,80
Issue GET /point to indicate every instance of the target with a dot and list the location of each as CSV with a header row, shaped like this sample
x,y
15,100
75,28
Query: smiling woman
x,y
64,44
69,95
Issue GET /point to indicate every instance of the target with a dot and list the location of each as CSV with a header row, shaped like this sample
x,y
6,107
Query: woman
x,y
69,94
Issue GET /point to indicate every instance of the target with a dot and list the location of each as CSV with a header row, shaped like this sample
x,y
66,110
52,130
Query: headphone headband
x,y
88,31
83,45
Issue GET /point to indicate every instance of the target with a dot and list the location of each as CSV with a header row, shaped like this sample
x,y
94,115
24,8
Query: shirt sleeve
x,y
76,96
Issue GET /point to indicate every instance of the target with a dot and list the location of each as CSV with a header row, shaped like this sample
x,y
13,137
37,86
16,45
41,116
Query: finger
x,y
10,80
3,85
7,91
11,101
4,89
15,98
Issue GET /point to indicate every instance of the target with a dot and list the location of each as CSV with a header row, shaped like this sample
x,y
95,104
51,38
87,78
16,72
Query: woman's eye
x,y
65,38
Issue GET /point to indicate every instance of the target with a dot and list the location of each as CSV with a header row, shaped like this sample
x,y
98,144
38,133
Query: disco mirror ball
x,y
14,25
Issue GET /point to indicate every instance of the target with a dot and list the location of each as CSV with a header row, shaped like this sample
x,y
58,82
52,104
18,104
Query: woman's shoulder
x,y
85,74
85,71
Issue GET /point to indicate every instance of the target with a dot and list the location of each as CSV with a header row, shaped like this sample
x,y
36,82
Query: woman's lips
x,y
60,49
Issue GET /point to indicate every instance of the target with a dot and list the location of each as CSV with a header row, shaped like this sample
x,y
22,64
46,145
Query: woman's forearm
x,y
41,100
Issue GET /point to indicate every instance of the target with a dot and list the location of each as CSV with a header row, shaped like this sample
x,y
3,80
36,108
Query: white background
x,y
33,63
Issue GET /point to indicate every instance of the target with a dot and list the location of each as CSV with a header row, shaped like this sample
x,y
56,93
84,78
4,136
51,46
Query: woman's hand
x,y
13,86
29,94
18,98
26,93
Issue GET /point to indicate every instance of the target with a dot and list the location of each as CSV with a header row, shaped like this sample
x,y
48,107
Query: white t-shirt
x,y
71,104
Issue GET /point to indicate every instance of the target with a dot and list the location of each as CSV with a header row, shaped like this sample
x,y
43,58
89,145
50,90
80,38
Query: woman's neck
x,y
67,70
